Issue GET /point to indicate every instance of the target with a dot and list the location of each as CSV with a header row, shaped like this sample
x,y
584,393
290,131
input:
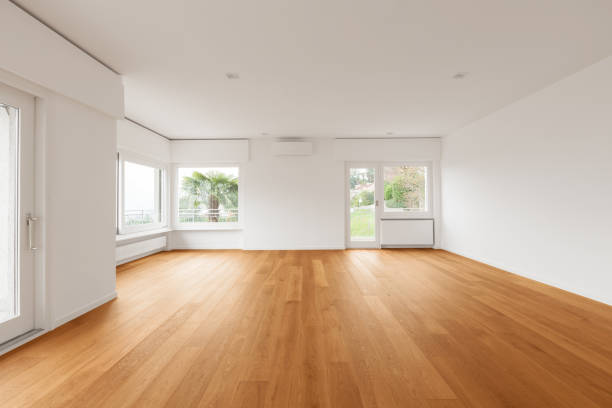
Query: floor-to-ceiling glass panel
x,y
8,205
362,204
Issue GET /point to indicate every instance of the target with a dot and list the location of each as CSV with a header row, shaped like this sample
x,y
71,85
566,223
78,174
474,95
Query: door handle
x,y
30,224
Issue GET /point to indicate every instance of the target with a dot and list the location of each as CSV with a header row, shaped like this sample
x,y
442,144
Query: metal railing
x,y
407,205
187,216
191,216
140,217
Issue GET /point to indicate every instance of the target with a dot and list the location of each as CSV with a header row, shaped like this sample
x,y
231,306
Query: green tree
x,y
362,199
213,188
406,189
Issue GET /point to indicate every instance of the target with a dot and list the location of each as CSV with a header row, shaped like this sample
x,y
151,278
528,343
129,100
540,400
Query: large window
x,y
406,189
208,196
141,198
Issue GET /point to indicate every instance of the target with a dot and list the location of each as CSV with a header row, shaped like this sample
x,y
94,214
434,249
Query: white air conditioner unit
x,y
291,148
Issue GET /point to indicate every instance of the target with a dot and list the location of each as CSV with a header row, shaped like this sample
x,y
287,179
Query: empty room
x,y
336,204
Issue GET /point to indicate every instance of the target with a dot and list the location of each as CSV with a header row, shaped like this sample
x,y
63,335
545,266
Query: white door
x,y
362,205
16,205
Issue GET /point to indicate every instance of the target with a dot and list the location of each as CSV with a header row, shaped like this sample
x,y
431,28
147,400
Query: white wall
x,y
136,139
34,52
198,239
294,202
210,151
417,149
80,206
529,188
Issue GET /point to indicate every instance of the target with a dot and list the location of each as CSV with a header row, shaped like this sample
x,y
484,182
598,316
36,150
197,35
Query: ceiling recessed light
x,y
460,75
389,133
232,75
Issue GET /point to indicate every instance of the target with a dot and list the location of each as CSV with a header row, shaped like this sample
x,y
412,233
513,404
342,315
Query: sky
x,y
139,187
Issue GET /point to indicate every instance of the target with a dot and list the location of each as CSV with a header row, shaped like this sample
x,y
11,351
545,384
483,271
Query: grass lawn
x,y
362,223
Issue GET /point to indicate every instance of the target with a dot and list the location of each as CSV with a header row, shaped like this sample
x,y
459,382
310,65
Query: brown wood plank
x,y
359,328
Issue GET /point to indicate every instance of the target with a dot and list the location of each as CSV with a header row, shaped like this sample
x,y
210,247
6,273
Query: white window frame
x,y
428,191
206,225
137,159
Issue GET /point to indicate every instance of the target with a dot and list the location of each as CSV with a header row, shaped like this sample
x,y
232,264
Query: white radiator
x,y
134,250
398,232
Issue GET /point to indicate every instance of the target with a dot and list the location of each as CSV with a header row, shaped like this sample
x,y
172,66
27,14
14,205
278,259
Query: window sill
x,y
233,227
141,234
406,216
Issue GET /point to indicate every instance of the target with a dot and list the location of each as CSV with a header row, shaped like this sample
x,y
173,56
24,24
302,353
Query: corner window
x,y
208,196
406,189
141,195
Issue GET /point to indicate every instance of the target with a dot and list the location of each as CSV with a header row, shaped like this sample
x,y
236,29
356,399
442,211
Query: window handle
x,y
30,224
377,203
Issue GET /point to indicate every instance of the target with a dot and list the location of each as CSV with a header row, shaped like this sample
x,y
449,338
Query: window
x,y
208,196
141,198
406,189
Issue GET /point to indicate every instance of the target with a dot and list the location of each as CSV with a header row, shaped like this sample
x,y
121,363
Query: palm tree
x,y
214,187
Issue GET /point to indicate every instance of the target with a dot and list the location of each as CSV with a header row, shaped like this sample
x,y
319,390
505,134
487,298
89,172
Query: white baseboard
x,y
297,248
257,248
508,268
198,247
82,310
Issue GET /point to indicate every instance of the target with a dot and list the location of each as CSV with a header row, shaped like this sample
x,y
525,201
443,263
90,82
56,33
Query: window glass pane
x,y
142,194
9,124
363,213
208,195
405,188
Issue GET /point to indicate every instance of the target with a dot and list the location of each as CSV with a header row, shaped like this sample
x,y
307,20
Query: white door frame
x,y
24,262
379,198
43,311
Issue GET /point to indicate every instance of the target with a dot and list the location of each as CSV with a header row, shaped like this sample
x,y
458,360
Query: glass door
x,y
362,209
17,223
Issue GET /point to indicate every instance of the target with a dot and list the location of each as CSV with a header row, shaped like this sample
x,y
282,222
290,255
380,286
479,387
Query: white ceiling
x,y
341,68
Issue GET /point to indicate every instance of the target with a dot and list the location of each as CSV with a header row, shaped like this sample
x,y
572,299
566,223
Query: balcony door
x,y
386,192
363,206
16,213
